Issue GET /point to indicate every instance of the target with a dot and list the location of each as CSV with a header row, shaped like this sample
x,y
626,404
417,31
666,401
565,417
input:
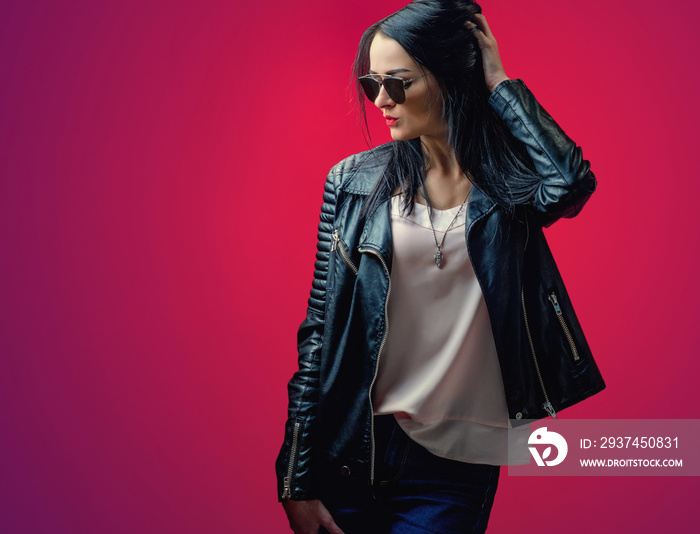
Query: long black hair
x,y
434,34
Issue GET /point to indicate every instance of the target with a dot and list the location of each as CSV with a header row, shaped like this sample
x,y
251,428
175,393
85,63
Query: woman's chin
x,y
398,135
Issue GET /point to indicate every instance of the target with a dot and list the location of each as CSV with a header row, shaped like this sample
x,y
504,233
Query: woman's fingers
x,y
305,517
494,73
480,28
483,25
475,30
332,528
327,521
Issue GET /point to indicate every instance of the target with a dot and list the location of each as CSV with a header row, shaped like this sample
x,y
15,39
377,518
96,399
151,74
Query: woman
x,y
437,319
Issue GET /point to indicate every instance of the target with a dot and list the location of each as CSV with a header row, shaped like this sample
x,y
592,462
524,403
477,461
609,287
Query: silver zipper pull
x,y
287,493
555,303
336,237
550,410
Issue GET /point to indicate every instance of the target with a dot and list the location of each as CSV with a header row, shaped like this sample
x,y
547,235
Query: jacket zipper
x,y
376,368
287,493
547,405
338,244
555,303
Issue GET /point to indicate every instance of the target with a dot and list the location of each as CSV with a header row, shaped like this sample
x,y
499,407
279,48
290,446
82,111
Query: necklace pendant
x,y
438,258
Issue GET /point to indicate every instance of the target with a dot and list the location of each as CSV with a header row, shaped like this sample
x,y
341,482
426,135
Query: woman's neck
x,y
439,154
446,184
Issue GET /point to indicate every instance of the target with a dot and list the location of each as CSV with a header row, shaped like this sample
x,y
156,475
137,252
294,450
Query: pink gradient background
x,y
161,172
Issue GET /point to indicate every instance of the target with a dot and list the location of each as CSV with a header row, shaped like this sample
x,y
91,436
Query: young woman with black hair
x,y
437,320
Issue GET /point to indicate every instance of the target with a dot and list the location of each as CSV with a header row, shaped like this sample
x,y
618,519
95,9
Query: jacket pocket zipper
x,y
338,244
287,493
547,405
557,309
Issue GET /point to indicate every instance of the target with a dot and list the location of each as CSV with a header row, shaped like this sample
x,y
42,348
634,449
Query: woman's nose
x,y
383,99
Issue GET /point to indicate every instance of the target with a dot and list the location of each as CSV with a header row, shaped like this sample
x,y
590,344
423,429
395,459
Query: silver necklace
x,y
438,253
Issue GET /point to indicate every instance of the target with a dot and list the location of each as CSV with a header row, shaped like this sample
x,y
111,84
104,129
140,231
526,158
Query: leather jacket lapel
x,y
377,233
478,206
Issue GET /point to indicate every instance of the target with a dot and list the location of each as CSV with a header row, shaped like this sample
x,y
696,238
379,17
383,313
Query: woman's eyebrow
x,y
394,71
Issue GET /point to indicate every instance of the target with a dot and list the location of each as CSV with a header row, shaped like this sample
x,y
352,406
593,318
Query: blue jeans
x,y
414,492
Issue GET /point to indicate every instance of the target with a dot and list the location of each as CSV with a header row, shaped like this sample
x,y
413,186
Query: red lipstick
x,y
390,121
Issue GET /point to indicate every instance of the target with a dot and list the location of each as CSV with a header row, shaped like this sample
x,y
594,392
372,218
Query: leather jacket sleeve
x,y
293,467
566,181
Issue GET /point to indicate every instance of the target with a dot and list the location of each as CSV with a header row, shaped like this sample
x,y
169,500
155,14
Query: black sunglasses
x,y
395,86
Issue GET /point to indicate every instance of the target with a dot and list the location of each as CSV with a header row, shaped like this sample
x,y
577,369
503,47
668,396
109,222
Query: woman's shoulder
x,y
358,173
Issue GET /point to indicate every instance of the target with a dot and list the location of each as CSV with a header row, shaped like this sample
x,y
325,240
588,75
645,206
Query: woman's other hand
x,y
494,73
305,517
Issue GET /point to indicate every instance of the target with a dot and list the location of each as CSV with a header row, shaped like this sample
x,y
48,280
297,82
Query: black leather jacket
x,y
545,360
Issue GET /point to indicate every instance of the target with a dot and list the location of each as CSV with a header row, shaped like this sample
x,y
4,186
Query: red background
x,y
161,172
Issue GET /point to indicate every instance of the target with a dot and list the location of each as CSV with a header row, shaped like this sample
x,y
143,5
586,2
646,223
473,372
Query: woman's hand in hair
x,y
494,73
305,517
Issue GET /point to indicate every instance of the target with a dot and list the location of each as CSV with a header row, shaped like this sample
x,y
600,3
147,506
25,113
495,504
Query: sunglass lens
x,y
394,88
371,88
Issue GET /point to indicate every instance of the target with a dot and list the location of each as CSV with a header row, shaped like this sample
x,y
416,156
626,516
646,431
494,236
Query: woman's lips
x,y
390,121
